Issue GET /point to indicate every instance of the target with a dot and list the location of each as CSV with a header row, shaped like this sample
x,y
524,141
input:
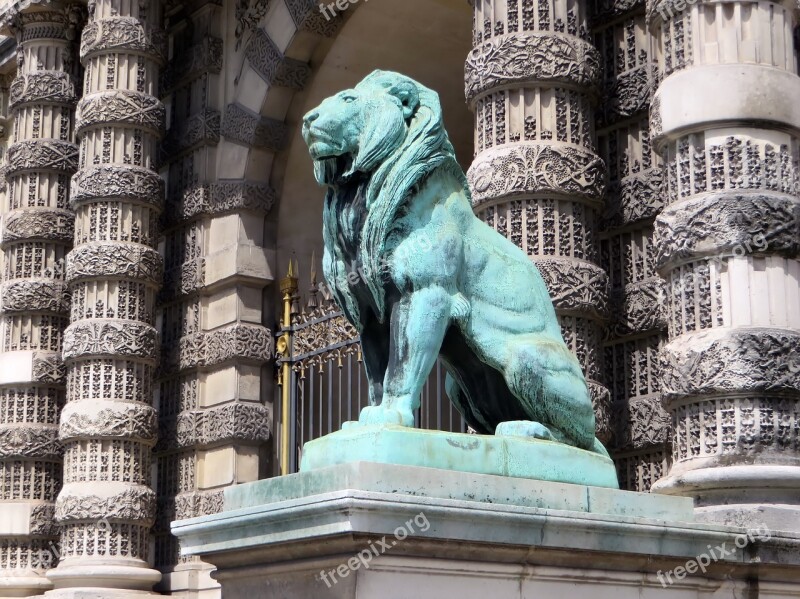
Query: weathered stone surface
x,y
191,505
640,423
34,295
232,423
48,368
114,259
120,107
530,168
576,286
756,427
240,341
42,523
37,231
635,198
276,69
199,59
531,57
111,338
628,95
201,128
725,224
240,124
121,33
117,182
136,503
42,87
639,308
46,224
738,360
41,154
307,17
219,198
29,442
116,421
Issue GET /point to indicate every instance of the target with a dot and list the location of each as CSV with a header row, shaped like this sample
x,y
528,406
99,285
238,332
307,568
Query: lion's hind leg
x,y
547,380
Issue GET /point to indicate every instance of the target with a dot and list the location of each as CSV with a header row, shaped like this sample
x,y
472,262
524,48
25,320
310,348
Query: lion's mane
x,y
395,175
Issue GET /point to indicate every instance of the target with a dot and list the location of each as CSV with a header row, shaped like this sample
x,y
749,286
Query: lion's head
x,y
387,118
387,132
357,129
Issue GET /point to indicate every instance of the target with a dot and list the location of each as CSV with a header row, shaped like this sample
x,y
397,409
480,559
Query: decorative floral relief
x,y
531,57
535,168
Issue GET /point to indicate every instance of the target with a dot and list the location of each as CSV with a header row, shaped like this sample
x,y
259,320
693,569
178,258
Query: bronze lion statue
x,y
420,276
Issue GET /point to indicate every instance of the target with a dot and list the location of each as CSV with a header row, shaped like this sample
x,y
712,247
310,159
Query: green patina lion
x,y
432,279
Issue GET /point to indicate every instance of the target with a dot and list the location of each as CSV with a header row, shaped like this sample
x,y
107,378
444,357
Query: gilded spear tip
x,y
289,282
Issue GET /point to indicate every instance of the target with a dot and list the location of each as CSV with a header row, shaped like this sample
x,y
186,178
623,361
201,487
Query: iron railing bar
x,y
330,397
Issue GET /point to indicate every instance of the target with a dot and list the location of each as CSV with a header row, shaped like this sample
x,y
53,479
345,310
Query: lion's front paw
x,y
524,428
460,307
383,415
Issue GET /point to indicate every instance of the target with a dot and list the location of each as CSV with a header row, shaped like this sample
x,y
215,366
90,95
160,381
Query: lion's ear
x,y
408,94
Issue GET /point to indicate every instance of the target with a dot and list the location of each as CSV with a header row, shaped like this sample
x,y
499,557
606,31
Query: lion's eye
x,y
349,99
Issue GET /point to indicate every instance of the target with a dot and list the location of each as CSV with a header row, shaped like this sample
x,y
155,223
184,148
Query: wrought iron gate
x,y
322,377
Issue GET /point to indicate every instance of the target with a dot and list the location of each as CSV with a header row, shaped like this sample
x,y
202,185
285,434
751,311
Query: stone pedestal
x,y
518,457
365,530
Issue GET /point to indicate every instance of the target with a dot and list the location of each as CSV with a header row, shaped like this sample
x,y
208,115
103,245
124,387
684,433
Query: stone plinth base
x,y
85,578
750,495
520,457
14,585
369,531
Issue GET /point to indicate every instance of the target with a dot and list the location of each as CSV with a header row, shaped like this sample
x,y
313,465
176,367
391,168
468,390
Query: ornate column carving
x,y
37,230
532,79
108,426
727,245
633,199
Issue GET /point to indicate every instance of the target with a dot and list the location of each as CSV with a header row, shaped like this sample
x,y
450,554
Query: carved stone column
x,y
37,233
638,325
531,80
726,119
108,426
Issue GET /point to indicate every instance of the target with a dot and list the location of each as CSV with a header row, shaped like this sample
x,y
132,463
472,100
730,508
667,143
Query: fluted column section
x,y
727,121
37,233
531,80
108,426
